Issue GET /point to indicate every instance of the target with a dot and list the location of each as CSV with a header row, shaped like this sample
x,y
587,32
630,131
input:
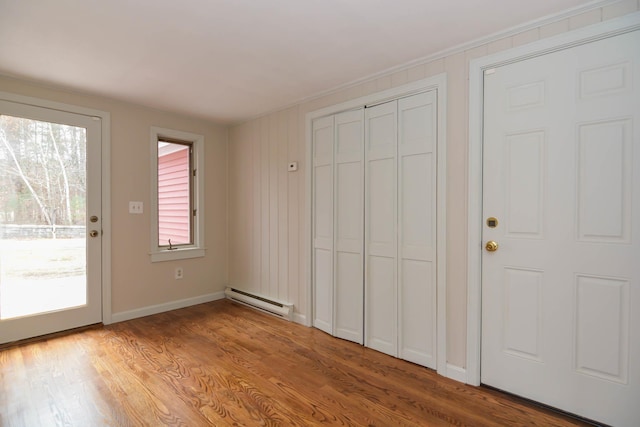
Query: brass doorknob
x,y
93,233
491,246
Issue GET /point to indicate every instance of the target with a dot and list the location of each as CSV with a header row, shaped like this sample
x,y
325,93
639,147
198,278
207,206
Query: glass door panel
x,y
42,215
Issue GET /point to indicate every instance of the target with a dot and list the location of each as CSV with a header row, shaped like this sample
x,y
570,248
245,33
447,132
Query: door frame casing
x,y
105,159
438,83
477,69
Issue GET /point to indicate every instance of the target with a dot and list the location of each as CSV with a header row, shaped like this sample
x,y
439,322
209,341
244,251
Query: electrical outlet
x,y
292,167
135,207
179,274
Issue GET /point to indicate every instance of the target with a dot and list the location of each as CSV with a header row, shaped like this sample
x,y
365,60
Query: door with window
x,y
50,221
561,229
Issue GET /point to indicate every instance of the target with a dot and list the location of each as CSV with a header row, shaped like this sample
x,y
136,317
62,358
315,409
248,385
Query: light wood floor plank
x,y
224,364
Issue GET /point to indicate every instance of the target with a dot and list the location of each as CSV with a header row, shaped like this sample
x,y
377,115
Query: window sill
x,y
182,253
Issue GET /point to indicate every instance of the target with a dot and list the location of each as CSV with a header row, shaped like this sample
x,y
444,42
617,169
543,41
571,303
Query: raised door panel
x,y
417,228
349,226
322,267
381,297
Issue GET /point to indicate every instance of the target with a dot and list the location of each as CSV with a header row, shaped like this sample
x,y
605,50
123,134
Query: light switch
x,y
135,207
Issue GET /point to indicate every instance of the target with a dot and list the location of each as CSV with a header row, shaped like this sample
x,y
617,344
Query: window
x,y
177,202
175,185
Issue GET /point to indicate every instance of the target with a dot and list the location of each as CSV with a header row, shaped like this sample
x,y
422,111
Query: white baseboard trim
x,y
300,318
161,308
456,373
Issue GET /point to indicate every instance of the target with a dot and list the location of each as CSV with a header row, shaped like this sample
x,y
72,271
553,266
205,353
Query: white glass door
x,y
50,221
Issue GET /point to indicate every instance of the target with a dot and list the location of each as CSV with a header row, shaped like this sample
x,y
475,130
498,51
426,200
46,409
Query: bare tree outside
x,y
42,213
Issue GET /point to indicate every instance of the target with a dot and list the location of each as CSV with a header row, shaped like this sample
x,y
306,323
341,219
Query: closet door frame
x,y
439,84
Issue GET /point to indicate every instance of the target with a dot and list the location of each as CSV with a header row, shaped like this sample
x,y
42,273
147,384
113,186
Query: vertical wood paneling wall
x,y
267,204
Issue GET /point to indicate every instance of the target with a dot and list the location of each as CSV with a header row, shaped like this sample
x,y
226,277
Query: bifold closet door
x,y
381,316
400,233
374,226
323,139
349,226
417,228
338,229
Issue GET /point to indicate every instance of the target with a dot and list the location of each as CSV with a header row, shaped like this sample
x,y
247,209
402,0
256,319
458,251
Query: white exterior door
x,y
50,259
561,294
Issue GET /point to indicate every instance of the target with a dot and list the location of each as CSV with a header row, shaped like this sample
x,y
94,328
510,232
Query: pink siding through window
x,y
173,198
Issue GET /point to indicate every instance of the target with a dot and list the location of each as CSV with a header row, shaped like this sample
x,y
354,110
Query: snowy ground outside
x,y
41,275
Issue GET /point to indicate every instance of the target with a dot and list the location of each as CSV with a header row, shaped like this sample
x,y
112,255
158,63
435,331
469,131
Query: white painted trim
x,y
106,218
456,373
105,118
180,253
301,319
308,203
197,250
441,226
438,83
376,98
581,36
539,22
474,227
161,308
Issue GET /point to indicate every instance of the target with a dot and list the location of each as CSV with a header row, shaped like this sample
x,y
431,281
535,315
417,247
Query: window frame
x,y
160,253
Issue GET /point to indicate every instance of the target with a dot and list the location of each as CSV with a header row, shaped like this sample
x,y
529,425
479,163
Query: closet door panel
x,y
381,228
349,211
381,213
381,327
323,142
323,278
416,204
349,226
349,297
416,228
324,206
416,332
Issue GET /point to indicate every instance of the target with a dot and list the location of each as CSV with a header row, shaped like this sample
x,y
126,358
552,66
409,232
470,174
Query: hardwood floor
x,y
224,364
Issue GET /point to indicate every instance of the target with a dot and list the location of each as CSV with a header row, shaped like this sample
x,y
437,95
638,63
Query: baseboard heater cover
x,y
276,308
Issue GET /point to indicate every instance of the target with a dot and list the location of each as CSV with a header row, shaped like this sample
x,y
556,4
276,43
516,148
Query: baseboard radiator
x,y
276,308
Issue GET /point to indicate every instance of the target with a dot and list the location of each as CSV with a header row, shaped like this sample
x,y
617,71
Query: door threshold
x,y
546,407
50,336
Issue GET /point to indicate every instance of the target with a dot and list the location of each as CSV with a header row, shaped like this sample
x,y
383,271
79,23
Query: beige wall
x,y
136,282
267,205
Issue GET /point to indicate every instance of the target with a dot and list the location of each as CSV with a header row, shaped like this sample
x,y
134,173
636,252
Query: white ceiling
x,y
229,60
